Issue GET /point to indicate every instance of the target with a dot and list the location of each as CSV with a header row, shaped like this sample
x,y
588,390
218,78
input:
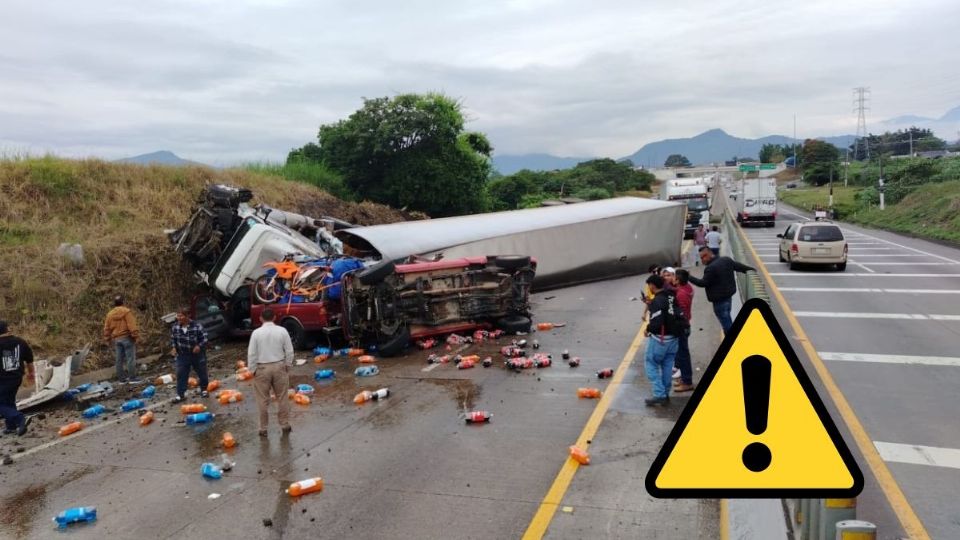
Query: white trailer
x,y
757,202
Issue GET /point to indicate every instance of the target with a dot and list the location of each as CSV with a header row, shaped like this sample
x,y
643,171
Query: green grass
x,y
931,211
806,198
308,172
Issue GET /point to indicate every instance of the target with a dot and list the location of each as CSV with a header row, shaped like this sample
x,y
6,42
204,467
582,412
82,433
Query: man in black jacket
x,y
16,357
661,332
719,281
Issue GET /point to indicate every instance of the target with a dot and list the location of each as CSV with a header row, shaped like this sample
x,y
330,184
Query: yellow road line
x,y
898,501
724,519
541,520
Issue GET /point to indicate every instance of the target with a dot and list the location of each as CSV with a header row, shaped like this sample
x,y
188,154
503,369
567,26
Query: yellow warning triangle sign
x,y
755,426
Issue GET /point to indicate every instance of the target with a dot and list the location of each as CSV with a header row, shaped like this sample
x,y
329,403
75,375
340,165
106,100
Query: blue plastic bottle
x,y
94,411
83,388
75,515
323,374
148,392
133,405
199,418
342,352
322,350
209,470
304,389
366,371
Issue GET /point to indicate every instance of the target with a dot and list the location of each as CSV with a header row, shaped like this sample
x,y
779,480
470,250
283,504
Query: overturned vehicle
x,y
257,257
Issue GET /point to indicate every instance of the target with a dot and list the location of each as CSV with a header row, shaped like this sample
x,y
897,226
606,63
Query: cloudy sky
x,y
245,80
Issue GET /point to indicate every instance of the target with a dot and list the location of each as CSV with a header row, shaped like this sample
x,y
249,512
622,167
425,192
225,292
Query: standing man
x,y
15,358
684,292
712,239
699,238
662,344
720,283
269,356
189,341
120,330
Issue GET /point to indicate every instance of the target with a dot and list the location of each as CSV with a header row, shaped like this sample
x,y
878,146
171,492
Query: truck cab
x,y
693,192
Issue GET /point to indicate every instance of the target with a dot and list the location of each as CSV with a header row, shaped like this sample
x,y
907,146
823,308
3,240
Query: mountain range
x,y
162,157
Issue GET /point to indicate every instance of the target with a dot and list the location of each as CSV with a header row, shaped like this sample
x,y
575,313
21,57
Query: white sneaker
x,y
676,373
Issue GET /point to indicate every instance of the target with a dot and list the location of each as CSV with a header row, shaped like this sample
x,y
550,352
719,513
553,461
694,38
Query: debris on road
x,y
213,496
478,417
580,456
425,344
301,399
80,514
213,385
303,487
605,373
146,418
228,441
574,362
324,374
72,427
589,392
229,396
148,392
209,470
199,418
94,411
366,371
244,374
305,389
487,362
366,359
164,379
132,405
193,408
367,395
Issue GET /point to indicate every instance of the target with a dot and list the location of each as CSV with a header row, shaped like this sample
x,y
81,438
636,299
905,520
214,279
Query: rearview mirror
x,y
779,236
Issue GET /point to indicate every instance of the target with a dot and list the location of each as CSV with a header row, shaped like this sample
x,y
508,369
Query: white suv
x,y
813,242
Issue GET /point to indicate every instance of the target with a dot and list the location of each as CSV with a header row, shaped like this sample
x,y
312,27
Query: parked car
x,y
815,243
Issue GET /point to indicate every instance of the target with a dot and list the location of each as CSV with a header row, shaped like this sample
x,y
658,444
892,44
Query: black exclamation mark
x,y
756,401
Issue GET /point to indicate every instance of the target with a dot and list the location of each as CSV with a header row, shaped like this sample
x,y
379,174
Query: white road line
x,y
853,274
890,359
431,367
874,291
891,255
907,316
913,249
862,266
919,455
911,263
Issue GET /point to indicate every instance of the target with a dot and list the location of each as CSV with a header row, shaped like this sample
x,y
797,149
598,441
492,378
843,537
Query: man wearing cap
x,y
16,357
120,330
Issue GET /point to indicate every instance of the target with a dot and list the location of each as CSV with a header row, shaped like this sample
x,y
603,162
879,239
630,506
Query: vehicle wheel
x,y
394,345
376,273
793,265
512,262
841,267
265,289
513,324
780,255
739,218
298,336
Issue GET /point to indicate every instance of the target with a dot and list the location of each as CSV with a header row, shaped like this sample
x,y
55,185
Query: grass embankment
x,y
117,212
929,211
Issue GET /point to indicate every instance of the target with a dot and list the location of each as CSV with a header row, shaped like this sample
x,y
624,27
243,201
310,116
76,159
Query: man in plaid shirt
x,y
189,342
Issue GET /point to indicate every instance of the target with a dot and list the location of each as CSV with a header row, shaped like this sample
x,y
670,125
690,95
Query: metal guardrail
x,y
749,284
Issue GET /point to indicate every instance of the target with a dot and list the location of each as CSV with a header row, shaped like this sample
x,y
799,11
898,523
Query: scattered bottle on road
x,y
244,374
213,385
589,392
305,389
164,379
148,392
580,456
303,487
192,408
146,418
75,515
536,344
133,405
478,417
565,355
209,470
544,326
192,382
230,396
322,351
382,393
574,362
367,359
228,440
301,399
542,361
605,373
363,397
72,427
323,374
466,364
199,418
366,371
93,412
487,362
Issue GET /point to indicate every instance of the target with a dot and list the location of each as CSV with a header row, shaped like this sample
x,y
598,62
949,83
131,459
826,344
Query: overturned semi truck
x,y
572,244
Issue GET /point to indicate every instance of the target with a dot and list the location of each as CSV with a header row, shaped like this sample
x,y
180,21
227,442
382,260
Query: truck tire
x,y
513,324
512,262
841,267
298,336
394,345
376,273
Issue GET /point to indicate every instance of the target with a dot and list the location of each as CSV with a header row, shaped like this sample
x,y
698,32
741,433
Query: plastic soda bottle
x,y
367,359
148,392
209,470
466,364
574,362
230,396
304,389
165,379
382,393
605,373
543,361
72,427
322,350
487,362
75,515
544,326
83,387
321,358
146,418
565,355
478,417
301,399
133,405
228,440
363,397
244,374
213,385
536,344
580,456
303,487
366,371
199,418
192,382
193,408
589,392
323,374
94,411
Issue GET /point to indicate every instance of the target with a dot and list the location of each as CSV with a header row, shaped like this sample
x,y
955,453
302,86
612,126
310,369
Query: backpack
x,y
674,323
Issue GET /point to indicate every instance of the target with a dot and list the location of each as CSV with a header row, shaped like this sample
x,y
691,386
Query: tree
x,y
819,160
775,153
897,143
408,151
677,160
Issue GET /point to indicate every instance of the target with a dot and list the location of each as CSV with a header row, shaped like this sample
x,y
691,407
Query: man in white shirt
x,y
269,356
713,240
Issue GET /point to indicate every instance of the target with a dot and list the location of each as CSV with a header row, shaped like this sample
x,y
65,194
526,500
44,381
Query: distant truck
x,y
757,202
692,191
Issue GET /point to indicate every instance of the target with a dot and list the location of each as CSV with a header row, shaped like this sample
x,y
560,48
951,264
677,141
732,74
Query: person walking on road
x,y
684,292
662,330
699,239
269,356
120,330
713,240
720,283
189,341
16,357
